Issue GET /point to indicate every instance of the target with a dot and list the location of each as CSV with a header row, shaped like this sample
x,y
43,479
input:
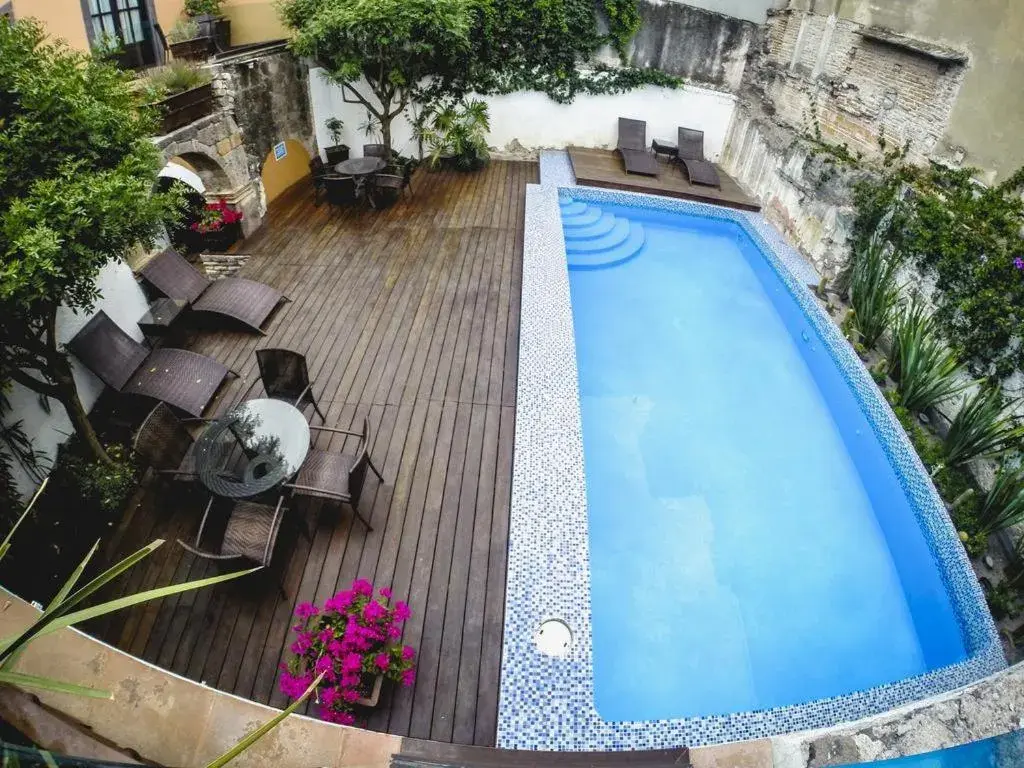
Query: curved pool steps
x,y
570,208
603,226
611,257
590,216
618,234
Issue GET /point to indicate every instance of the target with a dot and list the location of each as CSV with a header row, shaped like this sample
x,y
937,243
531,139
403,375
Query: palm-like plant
x,y
1003,505
926,370
873,291
982,427
458,130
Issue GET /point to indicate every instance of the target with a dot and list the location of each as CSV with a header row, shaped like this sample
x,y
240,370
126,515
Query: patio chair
x,y
319,171
375,150
337,476
177,377
166,445
285,376
691,155
632,146
250,534
246,301
341,190
405,171
385,190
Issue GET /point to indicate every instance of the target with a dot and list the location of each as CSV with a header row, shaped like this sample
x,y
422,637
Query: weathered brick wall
x,y
221,265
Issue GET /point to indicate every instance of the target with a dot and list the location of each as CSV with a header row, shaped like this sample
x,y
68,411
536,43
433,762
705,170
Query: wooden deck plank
x,y
408,317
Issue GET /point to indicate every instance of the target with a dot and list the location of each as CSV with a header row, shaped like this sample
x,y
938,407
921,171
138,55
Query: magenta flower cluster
x,y
355,638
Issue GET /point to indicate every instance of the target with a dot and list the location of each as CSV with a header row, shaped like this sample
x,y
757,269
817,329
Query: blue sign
x,y
280,151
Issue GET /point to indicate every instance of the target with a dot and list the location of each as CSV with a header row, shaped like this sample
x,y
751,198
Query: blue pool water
x,y
750,545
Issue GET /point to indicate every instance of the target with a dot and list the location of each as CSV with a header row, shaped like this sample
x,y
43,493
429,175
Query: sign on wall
x,y
280,151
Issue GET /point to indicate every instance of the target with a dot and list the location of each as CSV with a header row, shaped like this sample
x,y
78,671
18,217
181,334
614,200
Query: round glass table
x,y
360,166
252,448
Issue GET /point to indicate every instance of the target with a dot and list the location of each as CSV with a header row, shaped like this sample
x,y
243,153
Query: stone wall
x,y
218,265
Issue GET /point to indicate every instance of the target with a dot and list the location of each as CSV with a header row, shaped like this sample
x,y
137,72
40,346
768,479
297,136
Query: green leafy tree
x,y
393,44
76,174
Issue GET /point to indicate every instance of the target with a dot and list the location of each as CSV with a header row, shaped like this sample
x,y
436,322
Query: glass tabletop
x,y
360,166
252,448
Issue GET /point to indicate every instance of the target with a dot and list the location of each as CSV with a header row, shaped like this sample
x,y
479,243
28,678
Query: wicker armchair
x,y
340,190
375,150
337,476
166,445
250,534
385,190
319,172
286,377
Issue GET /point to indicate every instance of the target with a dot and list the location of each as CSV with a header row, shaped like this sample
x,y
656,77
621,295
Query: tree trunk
x,y
76,412
385,133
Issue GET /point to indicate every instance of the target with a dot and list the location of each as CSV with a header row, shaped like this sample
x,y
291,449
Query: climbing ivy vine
x,y
541,45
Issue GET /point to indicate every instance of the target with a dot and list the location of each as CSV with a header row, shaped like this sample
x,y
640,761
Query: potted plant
x,y
186,43
337,152
219,226
212,24
456,134
354,643
180,91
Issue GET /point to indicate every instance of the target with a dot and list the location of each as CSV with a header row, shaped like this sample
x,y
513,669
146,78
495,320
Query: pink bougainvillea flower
x,y
408,677
336,648
401,611
330,695
302,643
353,662
394,631
362,587
350,695
385,592
323,664
374,611
408,652
339,602
305,610
349,681
382,661
325,635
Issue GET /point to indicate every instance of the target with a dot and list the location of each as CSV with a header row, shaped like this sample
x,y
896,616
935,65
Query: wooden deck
x,y
603,168
409,317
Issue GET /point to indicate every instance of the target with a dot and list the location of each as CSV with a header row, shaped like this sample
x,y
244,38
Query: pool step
x,y
590,216
614,256
603,226
616,236
570,208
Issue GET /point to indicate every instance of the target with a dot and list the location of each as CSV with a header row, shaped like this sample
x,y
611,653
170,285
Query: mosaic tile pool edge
x,y
547,703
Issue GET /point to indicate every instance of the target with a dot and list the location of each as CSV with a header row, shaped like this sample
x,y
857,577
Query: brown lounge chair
x,y
178,377
633,148
246,301
691,154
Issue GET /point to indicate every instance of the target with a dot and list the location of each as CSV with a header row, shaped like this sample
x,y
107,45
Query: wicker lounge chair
x,y
246,301
337,476
178,377
285,376
632,145
250,534
690,154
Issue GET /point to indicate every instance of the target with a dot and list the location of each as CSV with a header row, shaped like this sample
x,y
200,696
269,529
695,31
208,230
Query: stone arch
x,y
216,178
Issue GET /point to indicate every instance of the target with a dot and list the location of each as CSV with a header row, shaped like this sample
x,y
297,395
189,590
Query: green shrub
x,y
926,370
101,487
982,427
873,291
1003,505
458,130
203,7
183,29
1002,600
176,77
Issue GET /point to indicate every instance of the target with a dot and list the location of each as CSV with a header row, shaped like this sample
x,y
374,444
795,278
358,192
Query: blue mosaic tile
x,y
547,703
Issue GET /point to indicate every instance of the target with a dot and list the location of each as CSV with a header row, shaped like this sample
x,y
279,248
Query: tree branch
x,y
42,387
360,99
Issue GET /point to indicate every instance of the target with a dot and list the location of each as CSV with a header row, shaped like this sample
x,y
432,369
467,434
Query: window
x,y
128,22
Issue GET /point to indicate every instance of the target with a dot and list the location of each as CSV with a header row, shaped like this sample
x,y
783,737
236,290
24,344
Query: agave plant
x,y
1003,505
65,611
873,291
982,427
926,370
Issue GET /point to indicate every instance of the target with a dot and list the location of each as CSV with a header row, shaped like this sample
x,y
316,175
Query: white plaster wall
x,y
124,301
535,121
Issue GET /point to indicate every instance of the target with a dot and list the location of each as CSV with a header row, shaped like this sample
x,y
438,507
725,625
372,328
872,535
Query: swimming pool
x,y
711,495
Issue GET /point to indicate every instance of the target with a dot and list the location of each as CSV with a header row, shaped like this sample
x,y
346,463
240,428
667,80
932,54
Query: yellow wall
x,y
278,175
252,21
62,19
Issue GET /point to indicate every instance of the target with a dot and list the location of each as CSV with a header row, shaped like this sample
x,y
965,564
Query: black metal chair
x,y
375,150
337,476
285,376
385,190
405,171
340,190
319,171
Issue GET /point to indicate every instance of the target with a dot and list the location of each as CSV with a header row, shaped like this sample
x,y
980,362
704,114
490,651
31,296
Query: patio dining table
x,y
252,448
360,169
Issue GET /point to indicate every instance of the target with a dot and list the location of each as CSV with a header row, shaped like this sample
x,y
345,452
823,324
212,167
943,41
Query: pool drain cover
x,y
554,638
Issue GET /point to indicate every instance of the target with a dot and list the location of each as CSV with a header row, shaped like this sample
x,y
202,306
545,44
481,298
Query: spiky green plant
x,y
874,293
1003,505
926,370
982,427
